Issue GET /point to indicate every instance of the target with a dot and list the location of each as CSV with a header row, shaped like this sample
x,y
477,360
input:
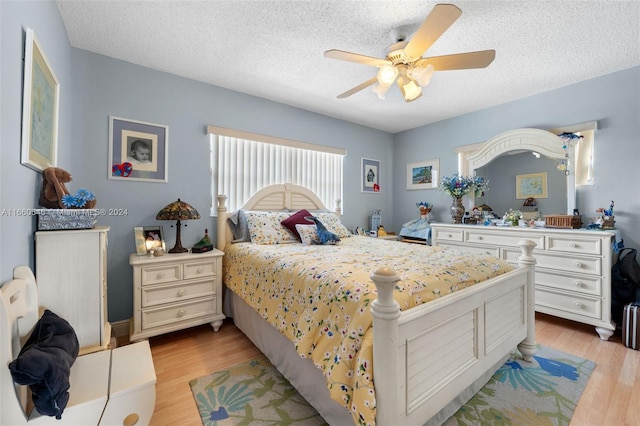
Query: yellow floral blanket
x,y
319,298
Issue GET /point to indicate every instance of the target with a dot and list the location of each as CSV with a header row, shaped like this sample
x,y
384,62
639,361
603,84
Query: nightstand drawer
x,y
167,293
161,274
156,317
574,245
199,269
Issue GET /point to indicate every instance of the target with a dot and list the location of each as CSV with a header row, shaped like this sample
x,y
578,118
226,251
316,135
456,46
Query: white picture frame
x,y
423,174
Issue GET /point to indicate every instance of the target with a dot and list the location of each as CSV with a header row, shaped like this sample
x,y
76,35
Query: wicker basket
x,y
565,221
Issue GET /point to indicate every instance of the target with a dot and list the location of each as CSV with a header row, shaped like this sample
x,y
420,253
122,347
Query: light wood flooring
x,y
612,396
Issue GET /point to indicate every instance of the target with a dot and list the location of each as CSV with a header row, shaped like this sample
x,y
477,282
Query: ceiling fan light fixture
x,y
410,90
387,75
423,74
381,90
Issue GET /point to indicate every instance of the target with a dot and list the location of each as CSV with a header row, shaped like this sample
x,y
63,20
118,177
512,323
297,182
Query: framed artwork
x,y
141,248
370,175
138,150
531,185
423,174
39,108
153,238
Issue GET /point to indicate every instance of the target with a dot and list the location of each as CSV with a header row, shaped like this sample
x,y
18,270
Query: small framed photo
x,y
370,175
153,238
39,108
138,235
423,174
138,150
531,185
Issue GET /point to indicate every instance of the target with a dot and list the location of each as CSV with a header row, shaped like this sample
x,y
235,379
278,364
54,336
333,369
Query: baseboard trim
x,y
120,328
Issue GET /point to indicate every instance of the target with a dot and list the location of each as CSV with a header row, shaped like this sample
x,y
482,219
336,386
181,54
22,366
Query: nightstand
x,y
176,291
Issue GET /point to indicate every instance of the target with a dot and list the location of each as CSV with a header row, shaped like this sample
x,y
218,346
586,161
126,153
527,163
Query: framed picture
x,y
423,174
531,185
138,150
370,175
138,235
153,238
39,108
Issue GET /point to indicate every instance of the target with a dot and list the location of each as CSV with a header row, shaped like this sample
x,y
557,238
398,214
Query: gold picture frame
x,y
40,101
531,185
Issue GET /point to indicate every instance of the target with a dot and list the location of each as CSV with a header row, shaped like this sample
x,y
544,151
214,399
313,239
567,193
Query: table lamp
x,y
178,210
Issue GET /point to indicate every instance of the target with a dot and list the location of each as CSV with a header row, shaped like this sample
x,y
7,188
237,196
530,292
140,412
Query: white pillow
x,y
265,228
331,221
307,233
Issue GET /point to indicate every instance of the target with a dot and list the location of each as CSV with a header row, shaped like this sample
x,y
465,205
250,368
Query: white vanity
x,y
573,270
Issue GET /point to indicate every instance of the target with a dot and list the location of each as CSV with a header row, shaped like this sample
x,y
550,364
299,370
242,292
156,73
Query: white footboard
x,y
444,346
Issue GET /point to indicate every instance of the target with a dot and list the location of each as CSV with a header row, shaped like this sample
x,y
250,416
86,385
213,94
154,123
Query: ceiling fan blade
x,y
355,57
440,18
358,88
459,61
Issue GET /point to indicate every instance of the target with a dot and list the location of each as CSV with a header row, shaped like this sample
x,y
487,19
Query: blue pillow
x,y
44,363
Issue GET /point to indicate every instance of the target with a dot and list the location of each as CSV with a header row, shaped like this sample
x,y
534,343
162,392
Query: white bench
x,y
111,387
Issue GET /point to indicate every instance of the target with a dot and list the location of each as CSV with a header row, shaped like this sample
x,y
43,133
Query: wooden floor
x,y
612,396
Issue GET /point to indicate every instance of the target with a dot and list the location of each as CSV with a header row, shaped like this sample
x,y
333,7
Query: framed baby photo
x,y
153,238
138,150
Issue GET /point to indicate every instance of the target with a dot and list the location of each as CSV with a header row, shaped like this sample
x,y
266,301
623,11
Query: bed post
x,y
338,210
385,313
221,228
528,346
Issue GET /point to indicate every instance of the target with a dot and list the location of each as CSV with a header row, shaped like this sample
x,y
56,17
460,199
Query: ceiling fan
x,y
404,63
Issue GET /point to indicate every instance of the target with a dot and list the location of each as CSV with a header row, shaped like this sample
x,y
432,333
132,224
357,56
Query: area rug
x,y
543,392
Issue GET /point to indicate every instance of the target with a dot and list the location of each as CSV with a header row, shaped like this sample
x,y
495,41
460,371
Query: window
x,y
582,165
243,163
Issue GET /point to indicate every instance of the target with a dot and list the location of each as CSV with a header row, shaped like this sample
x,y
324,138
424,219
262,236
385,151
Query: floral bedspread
x,y
319,298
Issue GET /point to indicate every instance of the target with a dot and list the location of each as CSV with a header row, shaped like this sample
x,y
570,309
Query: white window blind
x,y
240,167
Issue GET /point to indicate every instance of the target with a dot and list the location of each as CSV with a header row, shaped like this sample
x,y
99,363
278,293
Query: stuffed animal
x,y
324,236
55,195
53,188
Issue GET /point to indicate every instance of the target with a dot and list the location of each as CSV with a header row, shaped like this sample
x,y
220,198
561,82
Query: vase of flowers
x,y
459,186
513,217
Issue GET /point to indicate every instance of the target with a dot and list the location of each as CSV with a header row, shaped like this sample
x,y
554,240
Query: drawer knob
x,y
479,237
573,245
449,235
181,293
577,264
199,271
181,312
578,305
579,284
160,275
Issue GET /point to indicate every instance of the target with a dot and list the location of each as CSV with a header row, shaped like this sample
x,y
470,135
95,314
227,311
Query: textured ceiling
x,y
274,49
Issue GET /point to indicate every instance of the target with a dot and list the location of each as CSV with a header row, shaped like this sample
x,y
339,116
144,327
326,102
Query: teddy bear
x,y
55,195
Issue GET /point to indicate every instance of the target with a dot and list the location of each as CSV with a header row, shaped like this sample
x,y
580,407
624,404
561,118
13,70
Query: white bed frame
x,y
478,327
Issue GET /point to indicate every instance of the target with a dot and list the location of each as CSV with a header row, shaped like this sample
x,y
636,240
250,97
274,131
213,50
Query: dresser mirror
x,y
516,153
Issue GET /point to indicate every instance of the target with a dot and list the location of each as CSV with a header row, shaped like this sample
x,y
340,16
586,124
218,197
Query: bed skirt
x,y
306,377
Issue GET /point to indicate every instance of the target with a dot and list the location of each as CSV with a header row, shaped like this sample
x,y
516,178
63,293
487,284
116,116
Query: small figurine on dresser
x,y
419,228
203,245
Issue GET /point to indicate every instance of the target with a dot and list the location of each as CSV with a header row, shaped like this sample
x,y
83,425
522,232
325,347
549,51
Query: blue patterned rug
x,y
543,392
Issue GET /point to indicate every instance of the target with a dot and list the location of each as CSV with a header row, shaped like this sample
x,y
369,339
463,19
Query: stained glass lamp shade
x,y
178,210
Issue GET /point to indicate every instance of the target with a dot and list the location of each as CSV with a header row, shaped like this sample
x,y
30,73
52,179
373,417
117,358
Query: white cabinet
x,y
71,272
176,291
573,266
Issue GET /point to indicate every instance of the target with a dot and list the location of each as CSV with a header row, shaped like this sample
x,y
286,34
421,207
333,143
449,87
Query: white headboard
x,y
275,198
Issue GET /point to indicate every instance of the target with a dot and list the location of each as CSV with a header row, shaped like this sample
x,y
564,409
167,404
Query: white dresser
x,y
573,269
71,272
176,291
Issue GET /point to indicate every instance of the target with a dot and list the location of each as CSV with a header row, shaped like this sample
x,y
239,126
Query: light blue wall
x,y
613,100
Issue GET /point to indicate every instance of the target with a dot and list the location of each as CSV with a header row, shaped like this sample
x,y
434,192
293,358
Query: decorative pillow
x,y
239,227
307,233
332,222
45,361
297,218
265,228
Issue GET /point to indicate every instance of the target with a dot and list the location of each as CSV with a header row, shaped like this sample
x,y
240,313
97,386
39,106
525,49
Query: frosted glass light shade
x,y
387,75
380,90
423,74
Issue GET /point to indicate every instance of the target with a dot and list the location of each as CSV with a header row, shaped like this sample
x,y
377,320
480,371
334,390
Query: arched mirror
x,y
514,159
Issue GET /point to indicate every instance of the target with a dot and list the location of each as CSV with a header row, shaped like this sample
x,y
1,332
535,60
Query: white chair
x,y
110,387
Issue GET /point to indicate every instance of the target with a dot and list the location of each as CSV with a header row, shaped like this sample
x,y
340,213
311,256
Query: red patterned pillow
x,y
297,219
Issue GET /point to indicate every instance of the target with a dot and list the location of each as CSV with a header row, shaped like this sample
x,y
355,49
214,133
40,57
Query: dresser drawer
x,y
161,274
168,293
164,315
199,269
447,234
583,284
570,303
493,251
585,265
574,245
511,239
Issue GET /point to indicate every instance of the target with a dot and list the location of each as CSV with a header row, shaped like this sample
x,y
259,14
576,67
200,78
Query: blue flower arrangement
x,y
459,186
82,197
